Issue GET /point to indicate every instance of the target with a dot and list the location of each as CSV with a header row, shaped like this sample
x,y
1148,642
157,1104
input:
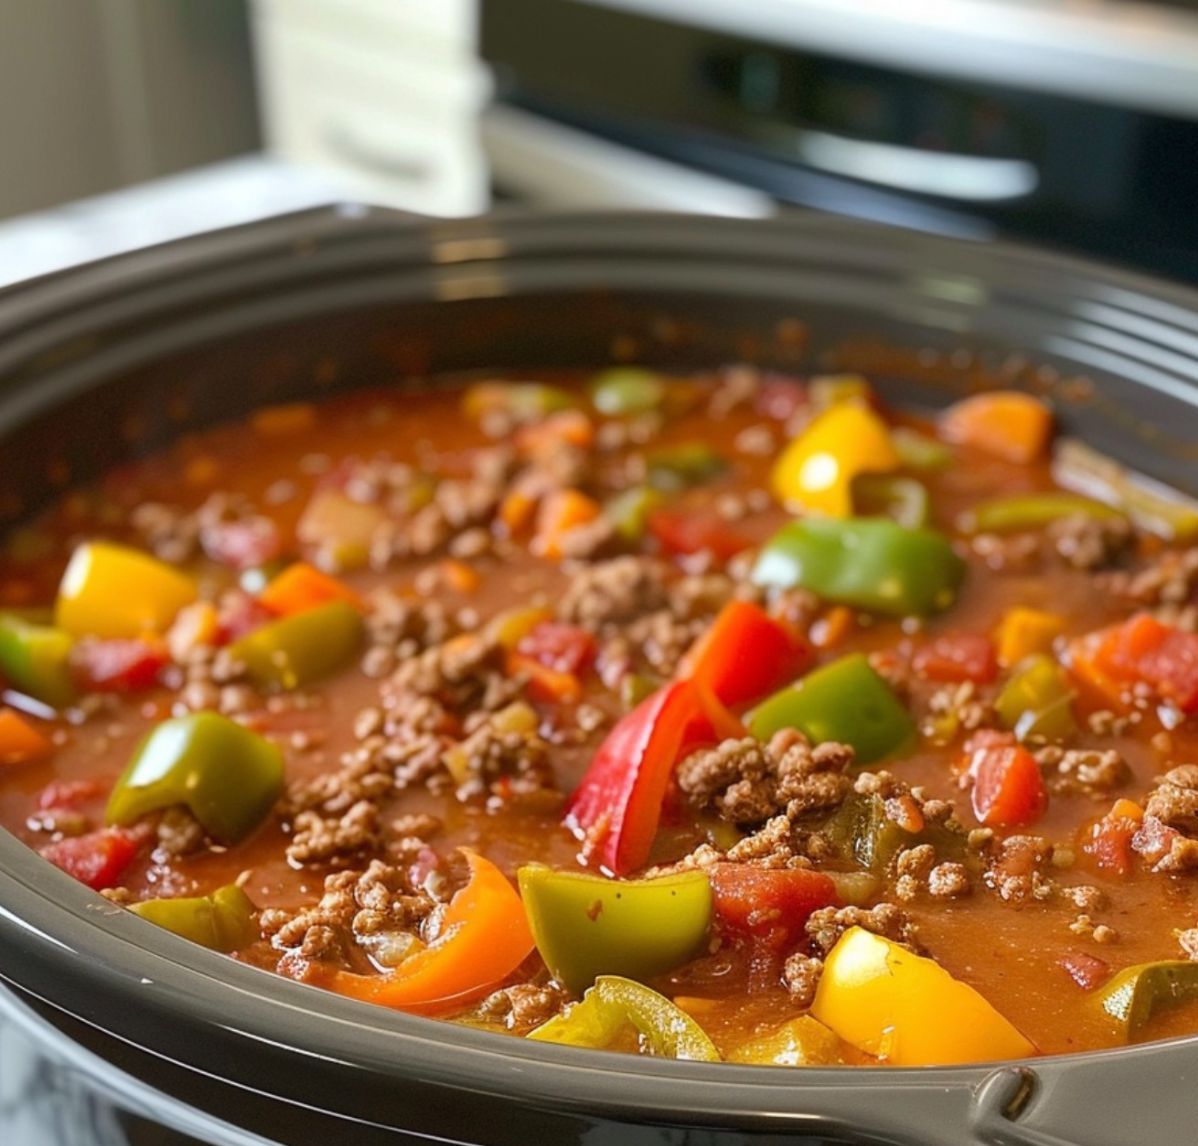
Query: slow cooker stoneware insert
x,y
104,363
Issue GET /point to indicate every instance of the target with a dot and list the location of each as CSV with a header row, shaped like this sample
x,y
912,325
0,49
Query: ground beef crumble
x,y
377,908
800,976
828,924
1168,837
747,782
501,763
524,1006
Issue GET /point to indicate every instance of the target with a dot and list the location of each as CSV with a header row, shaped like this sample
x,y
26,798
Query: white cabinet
x,y
385,94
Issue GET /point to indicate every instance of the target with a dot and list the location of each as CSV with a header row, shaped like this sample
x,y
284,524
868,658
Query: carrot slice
x,y
1007,423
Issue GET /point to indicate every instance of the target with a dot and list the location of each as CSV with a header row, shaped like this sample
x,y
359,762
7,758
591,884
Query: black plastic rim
x,y
63,336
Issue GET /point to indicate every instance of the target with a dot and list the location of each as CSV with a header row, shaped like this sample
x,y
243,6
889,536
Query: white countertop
x,y
221,195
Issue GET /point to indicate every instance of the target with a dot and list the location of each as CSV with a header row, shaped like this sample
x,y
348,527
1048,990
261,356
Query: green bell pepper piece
x,y
844,701
919,451
613,1005
1032,511
1037,700
35,659
1133,996
228,776
863,834
675,468
629,511
901,499
868,563
223,920
627,390
586,926
297,650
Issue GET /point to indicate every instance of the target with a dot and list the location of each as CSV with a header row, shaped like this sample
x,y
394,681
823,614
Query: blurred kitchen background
x,y
1070,123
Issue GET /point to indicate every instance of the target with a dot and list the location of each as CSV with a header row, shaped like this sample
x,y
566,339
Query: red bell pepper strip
x,y
117,665
956,657
1008,789
485,938
617,806
98,859
769,906
1145,651
746,655
683,531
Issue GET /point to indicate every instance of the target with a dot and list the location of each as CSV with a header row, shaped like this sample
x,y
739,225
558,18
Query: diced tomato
x,y
72,793
1008,789
617,806
746,654
1086,970
1108,841
1145,651
118,665
544,683
561,647
243,544
770,906
98,859
681,532
956,657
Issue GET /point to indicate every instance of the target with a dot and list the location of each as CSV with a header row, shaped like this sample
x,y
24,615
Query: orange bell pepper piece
x,y
301,587
1006,423
485,938
1024,631
20,742
560,512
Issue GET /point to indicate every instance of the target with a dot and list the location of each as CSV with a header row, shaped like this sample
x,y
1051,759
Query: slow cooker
x,y
150,1039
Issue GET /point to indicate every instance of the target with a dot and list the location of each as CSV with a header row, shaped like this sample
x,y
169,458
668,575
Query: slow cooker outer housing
x,y
101,364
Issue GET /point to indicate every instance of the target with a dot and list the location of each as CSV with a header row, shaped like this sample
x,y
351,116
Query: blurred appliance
x,y
384,94
99,96
1070,123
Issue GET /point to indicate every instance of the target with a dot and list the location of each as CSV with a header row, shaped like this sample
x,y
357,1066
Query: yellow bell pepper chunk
x,y
799,1042
112,591
908,1010
1023,632
815,472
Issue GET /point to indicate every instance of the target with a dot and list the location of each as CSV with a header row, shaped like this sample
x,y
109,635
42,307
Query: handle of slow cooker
x,y
997,1105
